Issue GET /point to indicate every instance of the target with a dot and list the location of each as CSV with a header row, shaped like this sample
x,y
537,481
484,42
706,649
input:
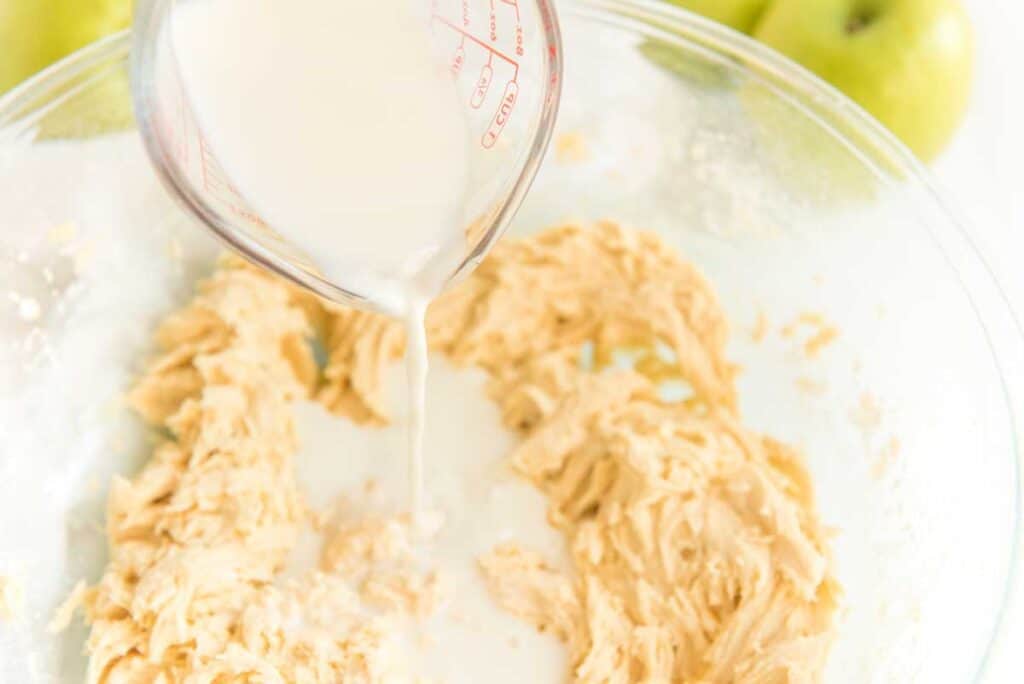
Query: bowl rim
x,y
838,115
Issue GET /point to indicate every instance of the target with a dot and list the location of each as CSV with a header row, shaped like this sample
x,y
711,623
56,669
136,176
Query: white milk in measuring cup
x,y
360,161
341,127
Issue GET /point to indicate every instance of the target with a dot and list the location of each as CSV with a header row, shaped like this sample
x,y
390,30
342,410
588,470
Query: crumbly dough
x,y
199,538
697,550
698,556
822,333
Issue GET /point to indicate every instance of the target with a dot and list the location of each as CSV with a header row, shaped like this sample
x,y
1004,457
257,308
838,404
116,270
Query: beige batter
x,y
697,552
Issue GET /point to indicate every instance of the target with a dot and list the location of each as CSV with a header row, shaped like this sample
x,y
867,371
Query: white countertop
x,y
983,172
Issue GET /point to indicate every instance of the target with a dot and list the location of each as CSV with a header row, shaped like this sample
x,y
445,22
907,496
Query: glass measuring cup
x,y
506,59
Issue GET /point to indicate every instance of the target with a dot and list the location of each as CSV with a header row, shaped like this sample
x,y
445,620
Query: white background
x,y
983,172
983,169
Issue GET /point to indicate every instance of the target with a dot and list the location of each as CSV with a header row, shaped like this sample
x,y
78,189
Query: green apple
x,y
741,15
80,22
23,53
908,62
36,33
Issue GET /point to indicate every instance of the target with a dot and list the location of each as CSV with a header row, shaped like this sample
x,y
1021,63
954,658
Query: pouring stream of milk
x,y
342,128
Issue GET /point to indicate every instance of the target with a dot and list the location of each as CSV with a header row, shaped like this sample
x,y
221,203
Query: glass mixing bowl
x,y
807,216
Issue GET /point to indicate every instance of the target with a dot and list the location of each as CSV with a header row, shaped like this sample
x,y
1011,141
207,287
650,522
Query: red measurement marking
x,y
458,60
465,13
246,215
548,22
217,185
494,23
508,103
483,84
214,179
490,48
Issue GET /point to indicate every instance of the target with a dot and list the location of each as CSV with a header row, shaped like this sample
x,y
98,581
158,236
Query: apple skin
x,y
36,33
908,62
80,22
741,15
22,22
